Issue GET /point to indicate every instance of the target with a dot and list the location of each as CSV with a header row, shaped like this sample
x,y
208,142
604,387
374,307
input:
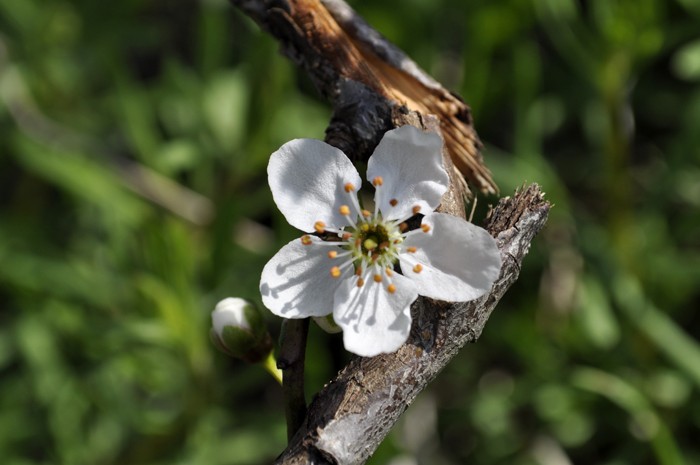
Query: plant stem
x,y
270,365
291,362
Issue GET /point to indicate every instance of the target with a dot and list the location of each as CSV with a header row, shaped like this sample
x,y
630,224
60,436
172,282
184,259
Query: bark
x,y
374,87
369,81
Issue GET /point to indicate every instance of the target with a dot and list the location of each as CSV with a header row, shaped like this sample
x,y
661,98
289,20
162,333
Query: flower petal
x,y
296,282
460,261
373,320
409,161
307,178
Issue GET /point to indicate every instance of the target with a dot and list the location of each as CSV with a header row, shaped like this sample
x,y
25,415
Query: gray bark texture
x,y
374,87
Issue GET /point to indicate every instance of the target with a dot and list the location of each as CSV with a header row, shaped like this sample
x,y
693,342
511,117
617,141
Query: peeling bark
x,y
367,79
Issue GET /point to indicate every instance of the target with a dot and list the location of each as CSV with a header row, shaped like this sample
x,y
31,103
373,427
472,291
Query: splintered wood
x,y
346,46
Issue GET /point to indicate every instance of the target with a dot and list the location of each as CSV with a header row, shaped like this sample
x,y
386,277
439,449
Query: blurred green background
x,y
134,137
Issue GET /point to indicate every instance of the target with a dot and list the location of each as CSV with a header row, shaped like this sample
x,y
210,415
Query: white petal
x,y
307,178
296,282
460,260
373,320
410,163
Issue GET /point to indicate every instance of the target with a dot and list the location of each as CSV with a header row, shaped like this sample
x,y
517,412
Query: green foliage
x,y
133,143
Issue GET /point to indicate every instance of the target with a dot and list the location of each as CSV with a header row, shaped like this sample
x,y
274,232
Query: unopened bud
x,y
238,329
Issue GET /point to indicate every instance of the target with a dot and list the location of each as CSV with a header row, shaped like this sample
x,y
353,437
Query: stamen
x,y
320,227
377,181
418,268
393,202
411,249
384,245
356,206
345,211
425,227
358,271
377,278
416,209
335,272
332,254
360,282
389,272
349,187
306,240
366,213
346,236
391,288
403,227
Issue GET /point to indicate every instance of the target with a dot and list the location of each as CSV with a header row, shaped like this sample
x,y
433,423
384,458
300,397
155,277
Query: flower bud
x,y
238,329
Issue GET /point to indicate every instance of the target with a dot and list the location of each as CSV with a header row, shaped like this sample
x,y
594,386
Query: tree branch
x,y
350,417
374,87
368,80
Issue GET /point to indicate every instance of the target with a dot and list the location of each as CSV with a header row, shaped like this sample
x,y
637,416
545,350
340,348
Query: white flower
x,y
366,267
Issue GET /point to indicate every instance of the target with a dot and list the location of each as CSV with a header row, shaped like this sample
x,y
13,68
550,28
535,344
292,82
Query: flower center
x,y
371,244
374,242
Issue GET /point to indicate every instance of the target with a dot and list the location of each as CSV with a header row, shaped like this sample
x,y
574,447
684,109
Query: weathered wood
x,y
366,78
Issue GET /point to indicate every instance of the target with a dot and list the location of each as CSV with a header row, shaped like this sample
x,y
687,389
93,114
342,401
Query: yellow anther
x,y
393,202
335,272
366,213
425,227
389,272
416,209
403,227
364,227
391,288
418,268
370,244
349,187
377,181
360,282
332,254
411,249
377,278
344,210
306,240
320,227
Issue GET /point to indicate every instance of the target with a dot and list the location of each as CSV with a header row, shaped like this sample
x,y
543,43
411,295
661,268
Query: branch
x,y
350,417
374,87
369,81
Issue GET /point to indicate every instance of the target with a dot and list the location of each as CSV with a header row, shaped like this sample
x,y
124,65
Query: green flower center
x,y
374,242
